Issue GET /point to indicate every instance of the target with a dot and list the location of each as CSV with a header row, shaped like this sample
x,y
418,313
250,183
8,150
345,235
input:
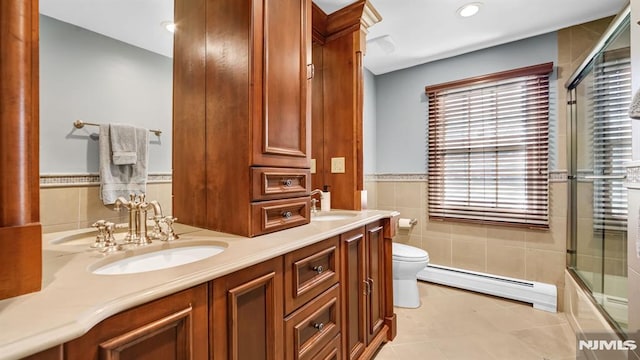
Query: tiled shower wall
x,y
77,205
520,253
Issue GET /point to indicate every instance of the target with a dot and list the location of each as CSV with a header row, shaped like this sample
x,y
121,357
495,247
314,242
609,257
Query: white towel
x,y
123,144
634,109
122,180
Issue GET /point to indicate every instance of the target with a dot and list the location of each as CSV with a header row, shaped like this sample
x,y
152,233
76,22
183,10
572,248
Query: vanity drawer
x,y
333,350
310,271
277,183
274,215
313,326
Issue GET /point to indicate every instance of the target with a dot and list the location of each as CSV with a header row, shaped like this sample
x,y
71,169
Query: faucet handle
x,y
169,232
101,236
110,244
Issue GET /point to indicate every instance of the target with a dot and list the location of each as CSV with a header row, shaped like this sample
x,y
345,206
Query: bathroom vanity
x,y
318,291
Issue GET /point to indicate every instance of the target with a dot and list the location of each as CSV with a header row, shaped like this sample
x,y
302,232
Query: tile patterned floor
x,y
455,324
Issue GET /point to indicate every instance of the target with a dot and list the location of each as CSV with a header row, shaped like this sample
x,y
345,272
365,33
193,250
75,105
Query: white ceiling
x,y
420,30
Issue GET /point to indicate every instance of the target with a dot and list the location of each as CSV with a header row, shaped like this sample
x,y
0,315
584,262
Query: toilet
x,y
407,261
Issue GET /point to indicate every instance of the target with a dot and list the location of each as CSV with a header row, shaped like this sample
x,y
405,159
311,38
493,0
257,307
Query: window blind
x,y
611,95
489,149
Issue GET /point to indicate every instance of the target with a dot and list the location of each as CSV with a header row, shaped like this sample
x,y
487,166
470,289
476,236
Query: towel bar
x,y
79,124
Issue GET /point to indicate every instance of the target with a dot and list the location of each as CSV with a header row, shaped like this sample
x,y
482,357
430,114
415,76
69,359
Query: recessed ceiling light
x,y
169,25
469,9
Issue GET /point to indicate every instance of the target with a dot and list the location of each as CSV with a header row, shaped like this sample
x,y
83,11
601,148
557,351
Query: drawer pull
x,y
318,326
319,269
286,214
287,182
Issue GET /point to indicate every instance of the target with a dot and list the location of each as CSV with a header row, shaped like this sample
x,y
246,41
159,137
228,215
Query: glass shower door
x,y
601,144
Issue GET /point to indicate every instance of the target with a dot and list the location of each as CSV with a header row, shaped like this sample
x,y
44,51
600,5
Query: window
x,y
489,148
611,97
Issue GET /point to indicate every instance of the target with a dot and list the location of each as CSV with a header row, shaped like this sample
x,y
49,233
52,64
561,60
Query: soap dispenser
x,y
325,199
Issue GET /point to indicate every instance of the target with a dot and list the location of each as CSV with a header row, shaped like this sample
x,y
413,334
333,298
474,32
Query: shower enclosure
x,y
599,130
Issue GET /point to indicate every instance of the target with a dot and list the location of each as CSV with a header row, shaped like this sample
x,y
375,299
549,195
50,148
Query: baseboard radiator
x,y
542,296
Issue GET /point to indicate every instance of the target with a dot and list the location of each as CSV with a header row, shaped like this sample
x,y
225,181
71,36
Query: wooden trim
x,y
54,353
389,232
319,24
539,69
20,259
377,276
189,178
19,136
374,345
359,130
180,321
359,15
266,281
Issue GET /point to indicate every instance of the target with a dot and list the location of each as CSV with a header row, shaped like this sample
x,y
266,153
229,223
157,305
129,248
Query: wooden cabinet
x,y
312,301
242,127
313,326
364,289
333,350
247,314
330,300
353,292
54,353
281,74
375,273
338,51
310,271
174,327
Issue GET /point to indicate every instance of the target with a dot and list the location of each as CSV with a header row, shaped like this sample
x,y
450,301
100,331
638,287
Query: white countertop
x,y
73,300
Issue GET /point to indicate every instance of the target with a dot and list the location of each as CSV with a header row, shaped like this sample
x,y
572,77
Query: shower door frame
x,y
572,151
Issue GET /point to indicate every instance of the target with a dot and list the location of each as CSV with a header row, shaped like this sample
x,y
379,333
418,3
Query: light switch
x,y
337,165
313,166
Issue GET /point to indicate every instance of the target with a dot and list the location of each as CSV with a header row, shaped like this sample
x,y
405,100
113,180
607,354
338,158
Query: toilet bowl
x,y
407,261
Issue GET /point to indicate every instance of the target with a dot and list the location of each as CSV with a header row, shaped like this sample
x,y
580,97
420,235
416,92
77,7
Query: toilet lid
x,y
408,253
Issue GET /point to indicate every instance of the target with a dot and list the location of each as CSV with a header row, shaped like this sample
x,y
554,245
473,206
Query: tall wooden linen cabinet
x,y
242,133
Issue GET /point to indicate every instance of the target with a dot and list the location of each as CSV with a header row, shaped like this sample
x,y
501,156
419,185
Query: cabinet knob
x,y
287,182
319,269
287,214
318,326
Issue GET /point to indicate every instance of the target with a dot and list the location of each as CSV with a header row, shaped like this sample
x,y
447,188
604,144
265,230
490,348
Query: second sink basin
x,y
157,260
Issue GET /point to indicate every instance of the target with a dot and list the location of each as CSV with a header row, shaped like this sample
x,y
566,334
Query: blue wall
x,y
88,76
401,103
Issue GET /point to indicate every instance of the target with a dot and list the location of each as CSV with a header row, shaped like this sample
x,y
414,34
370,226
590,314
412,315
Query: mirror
x,y
103,61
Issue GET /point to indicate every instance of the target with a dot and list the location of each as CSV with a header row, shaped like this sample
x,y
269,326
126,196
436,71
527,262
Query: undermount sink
x,y
158,260
332,216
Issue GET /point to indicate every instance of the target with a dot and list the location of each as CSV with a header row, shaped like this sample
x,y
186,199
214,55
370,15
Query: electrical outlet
x,y
337,165
313,166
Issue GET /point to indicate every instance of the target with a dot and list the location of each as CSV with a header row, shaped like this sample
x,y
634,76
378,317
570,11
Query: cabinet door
x,y
353,287
281,83
174,327
375,279
247,314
